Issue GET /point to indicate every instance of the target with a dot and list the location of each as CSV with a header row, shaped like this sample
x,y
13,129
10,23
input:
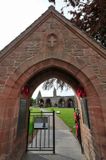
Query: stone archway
x,y
36,74
51,47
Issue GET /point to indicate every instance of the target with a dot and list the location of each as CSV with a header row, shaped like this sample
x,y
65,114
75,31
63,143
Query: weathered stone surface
x,y
52,47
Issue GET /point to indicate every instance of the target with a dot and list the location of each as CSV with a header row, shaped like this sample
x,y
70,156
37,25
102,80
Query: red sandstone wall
x,y
35,48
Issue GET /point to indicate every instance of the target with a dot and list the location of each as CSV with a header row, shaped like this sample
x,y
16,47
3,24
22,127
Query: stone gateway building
x,y
52,47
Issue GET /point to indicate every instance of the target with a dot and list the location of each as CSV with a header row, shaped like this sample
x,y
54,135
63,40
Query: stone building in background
x,y
55,101
52,47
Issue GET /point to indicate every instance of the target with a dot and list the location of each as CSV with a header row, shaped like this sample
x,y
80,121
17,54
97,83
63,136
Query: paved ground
x,y
67,147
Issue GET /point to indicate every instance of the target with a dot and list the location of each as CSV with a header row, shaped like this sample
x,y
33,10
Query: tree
x,y
89,16
57,82
53,1
48,102
32,101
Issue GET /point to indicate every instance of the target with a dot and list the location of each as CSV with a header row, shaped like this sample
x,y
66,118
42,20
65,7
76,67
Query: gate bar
x,y
53,132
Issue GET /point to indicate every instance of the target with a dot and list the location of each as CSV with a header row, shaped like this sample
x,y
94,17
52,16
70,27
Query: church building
x,y
55,101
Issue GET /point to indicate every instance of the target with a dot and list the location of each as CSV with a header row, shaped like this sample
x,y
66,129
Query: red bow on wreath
x,y
25,91
81,92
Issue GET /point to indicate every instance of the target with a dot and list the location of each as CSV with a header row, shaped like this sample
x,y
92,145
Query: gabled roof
x,y
51,12
39,95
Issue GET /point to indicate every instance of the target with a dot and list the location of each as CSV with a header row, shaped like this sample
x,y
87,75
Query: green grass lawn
x,y
32,118
34,109
66,114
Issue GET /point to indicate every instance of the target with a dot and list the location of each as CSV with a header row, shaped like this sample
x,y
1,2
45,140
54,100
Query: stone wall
x,y
52,43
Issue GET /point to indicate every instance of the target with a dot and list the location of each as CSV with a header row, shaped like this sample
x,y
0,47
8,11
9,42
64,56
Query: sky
x,y
17,15
46,93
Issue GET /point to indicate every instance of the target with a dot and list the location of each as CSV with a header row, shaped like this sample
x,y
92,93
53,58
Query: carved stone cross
x,y
52,41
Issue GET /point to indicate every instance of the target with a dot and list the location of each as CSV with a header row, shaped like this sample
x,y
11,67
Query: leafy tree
x,y
57,82
32,101
89,16
52,1
48,102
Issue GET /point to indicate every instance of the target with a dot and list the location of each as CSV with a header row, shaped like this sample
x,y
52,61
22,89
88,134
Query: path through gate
x,y
41,132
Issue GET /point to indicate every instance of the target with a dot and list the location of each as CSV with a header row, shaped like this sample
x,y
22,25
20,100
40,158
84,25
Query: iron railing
x,y
41,136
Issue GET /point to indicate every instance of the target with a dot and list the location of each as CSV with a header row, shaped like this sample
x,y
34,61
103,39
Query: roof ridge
x,y
51,10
